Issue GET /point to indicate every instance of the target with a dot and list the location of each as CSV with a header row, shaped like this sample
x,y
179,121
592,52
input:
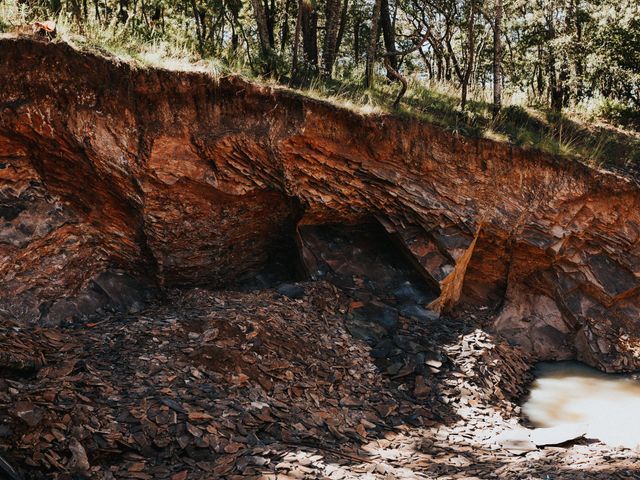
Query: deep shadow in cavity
x,y
389,295
364,260
282,267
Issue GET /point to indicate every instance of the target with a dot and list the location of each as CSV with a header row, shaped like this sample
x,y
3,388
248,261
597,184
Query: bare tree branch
x,y
394,73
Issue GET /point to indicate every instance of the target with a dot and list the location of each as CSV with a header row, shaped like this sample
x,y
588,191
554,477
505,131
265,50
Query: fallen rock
x,y
8,470
419,313
29,413
379,313
557,435
421,389
291,290
516,441
79,462
523,440
410,293
383,348
433,363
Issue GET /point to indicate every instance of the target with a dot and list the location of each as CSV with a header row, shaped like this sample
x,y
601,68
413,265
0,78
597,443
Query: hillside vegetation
x,y
561,76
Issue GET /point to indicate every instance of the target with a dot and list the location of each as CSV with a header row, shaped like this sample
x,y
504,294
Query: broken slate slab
x,y
409,293
419,313
522,440
516,441
558,435
379,313
7,469
384,348
29,413
291,290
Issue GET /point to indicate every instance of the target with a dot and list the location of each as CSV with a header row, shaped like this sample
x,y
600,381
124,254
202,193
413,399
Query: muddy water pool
x,y
608,405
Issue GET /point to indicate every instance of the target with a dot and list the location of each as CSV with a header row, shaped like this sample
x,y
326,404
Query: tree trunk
x,y
427,63
395,74
123,13
235,12
343,24
199,32
555,88
332,22
540,74
56,6
284,37
373,41
261,22
296,41
389,35
438,63
356,42
263,31
452,59
464,83
497,58
76,11
310,35
270,11
579,58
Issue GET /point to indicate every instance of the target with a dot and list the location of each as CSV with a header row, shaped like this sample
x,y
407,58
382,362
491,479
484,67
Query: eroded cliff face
x,y
115,180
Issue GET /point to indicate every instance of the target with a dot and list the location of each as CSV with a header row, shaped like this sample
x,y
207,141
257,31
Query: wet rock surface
x,y
185,180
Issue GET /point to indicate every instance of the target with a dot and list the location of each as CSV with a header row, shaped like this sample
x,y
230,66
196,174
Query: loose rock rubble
x,y
211,384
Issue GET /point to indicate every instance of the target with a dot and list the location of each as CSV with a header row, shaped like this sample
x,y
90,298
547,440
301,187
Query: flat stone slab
x,y
557,435
516,441
519,441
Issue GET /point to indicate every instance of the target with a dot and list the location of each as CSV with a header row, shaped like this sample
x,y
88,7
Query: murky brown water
x,y
571,392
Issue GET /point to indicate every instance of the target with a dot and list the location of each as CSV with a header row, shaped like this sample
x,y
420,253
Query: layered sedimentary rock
x,y
166,178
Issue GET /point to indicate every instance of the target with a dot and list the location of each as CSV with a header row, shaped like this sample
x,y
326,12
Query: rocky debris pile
x,y
388,299
209,384
213,384
488,371
476,384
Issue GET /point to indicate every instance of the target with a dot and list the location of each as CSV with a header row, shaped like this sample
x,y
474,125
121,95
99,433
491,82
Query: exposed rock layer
x,y
181,179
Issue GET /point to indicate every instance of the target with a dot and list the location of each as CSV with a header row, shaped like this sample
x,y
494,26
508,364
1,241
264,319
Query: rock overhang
x,y
179,179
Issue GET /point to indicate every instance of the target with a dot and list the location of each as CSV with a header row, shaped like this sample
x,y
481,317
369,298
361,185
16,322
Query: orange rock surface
x,y
179,179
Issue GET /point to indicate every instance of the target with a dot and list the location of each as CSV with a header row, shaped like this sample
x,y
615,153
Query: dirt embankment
x,y
179,179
